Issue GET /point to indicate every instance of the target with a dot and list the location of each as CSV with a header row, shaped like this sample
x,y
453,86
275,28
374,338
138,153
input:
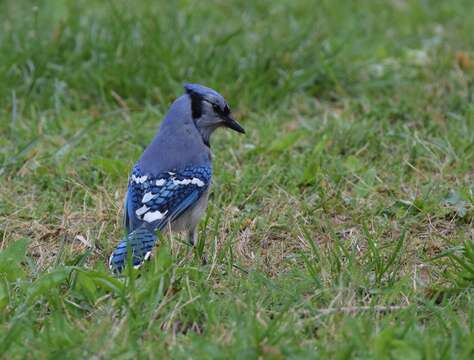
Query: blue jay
x,y
169,185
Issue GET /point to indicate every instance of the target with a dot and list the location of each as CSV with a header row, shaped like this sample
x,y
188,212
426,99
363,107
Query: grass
x,y
340,226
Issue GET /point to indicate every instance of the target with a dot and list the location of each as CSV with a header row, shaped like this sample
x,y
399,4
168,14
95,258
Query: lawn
x,y
340,226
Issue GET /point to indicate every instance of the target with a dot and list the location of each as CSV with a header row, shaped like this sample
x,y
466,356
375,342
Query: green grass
x,y
339,226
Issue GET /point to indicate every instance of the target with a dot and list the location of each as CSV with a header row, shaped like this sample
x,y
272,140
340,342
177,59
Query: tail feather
x,y
141,241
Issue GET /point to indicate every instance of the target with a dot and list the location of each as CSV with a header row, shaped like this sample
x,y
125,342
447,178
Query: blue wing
x,y
159,199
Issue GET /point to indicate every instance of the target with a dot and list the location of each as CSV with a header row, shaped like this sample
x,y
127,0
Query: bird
x,y
168,188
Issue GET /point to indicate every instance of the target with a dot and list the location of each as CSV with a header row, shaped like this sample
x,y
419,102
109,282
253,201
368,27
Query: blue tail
x,y
141,241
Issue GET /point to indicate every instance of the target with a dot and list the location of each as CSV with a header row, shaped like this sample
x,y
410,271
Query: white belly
x,y
190,218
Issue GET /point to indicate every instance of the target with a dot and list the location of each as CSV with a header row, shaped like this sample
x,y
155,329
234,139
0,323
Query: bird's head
x,y
210,111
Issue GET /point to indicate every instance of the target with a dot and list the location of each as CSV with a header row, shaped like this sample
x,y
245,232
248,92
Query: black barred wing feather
x,y
159,199
152,202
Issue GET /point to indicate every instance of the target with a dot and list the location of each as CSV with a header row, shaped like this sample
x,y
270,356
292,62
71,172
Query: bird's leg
x,y
193,240
193,236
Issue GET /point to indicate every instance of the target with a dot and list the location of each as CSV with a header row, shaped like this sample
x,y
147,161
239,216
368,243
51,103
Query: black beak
x,y
232,124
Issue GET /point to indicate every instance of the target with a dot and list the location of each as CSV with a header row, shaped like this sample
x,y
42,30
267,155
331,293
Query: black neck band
x,y
196,106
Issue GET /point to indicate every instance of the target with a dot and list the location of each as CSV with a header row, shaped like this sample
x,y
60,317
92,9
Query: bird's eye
x,y
226,109
215,108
